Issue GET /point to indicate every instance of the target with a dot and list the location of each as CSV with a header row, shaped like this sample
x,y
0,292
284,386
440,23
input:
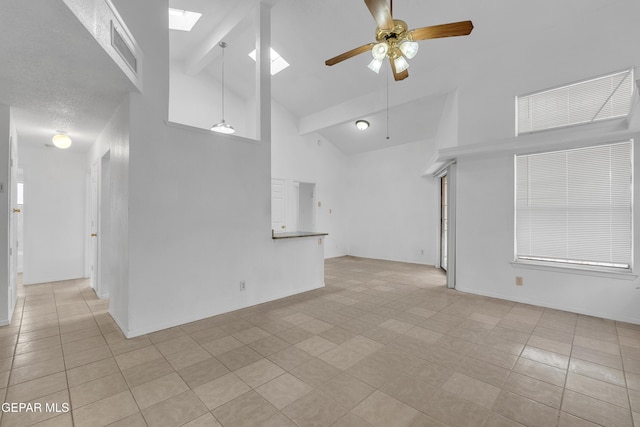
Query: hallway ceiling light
x,y
362,124
61,140
182,20
223,127
278,63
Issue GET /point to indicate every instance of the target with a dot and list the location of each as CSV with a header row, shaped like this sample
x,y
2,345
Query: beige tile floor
x,y
383,344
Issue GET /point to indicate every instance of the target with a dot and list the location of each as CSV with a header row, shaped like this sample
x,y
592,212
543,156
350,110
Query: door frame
x,y
450,171
13,226
104,226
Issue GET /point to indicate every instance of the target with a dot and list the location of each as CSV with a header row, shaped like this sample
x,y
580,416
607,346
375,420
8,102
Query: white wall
x,y
199,207
197,101
392,209
54,214
114,140
487,93
5,133
485,151
485,241
312,159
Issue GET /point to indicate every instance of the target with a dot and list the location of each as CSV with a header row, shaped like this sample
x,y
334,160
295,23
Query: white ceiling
x,y
67,82
329,99
55,75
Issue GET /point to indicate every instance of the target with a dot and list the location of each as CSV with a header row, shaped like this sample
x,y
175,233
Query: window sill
x,y
569,269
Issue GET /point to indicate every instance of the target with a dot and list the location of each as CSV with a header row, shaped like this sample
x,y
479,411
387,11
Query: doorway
x,y
19,218
444,222
100,225
104,227
448,222
304,206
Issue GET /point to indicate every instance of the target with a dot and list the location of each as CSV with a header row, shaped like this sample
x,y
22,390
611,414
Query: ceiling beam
x,y
208,50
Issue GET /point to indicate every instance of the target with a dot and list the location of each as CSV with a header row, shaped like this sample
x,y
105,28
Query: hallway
x,y
383,344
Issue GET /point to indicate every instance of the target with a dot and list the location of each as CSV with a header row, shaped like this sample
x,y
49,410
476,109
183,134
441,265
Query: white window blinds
x,y
592,100
575,206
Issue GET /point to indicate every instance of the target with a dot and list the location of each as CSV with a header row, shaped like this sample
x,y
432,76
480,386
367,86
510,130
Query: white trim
x,y
195,317
572,269
530,301
554,140
229,138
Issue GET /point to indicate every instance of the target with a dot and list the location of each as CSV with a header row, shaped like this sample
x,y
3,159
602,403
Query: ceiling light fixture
x,y
61,140
362,124
397,44
223,127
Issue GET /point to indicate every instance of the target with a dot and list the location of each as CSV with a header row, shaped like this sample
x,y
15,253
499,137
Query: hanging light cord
x,y
223,45
387,103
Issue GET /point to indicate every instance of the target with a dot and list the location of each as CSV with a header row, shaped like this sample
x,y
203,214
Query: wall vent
x,y
122,47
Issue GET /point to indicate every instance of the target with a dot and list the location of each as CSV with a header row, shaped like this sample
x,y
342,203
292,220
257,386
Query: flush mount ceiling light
x,y
362,124
182,20
61,140
223,127
278,63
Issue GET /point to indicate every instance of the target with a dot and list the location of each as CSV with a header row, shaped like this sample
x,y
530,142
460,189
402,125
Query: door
x,y
13,224
278,205
19,217
93,226
104,227
444,222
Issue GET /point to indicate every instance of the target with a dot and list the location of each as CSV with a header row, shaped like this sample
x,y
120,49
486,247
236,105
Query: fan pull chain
x,y
387,103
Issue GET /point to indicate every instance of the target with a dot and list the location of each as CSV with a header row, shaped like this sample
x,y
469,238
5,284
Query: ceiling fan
x,y
395,41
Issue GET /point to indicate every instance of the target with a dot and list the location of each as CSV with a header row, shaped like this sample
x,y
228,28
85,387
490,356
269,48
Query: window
x,y
574,207
601,98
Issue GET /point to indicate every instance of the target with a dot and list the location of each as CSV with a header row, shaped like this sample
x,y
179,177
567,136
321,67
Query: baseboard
x,y
188,319
531,301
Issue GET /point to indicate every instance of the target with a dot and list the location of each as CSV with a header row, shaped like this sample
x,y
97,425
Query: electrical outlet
x,y
243,285
519,281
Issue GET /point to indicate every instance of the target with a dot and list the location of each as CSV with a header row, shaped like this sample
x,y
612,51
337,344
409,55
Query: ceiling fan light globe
x,y
375,65
379,51
409,48
401,64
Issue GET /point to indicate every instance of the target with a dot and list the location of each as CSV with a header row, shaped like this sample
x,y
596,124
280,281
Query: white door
x,y
278,205
104,224
19,217
94,225
13,224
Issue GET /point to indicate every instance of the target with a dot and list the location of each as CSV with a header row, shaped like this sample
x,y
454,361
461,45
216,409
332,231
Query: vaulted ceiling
x,y
329,99
78,87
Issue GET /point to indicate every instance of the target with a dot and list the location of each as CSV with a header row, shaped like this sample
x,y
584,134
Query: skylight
x,y
277,62
182,20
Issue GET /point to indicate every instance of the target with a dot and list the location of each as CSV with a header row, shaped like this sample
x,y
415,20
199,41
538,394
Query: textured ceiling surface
x,y
66,81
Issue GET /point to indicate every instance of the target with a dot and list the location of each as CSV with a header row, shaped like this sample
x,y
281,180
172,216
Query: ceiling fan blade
x,y
398,76
381,13
349,54
462,28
